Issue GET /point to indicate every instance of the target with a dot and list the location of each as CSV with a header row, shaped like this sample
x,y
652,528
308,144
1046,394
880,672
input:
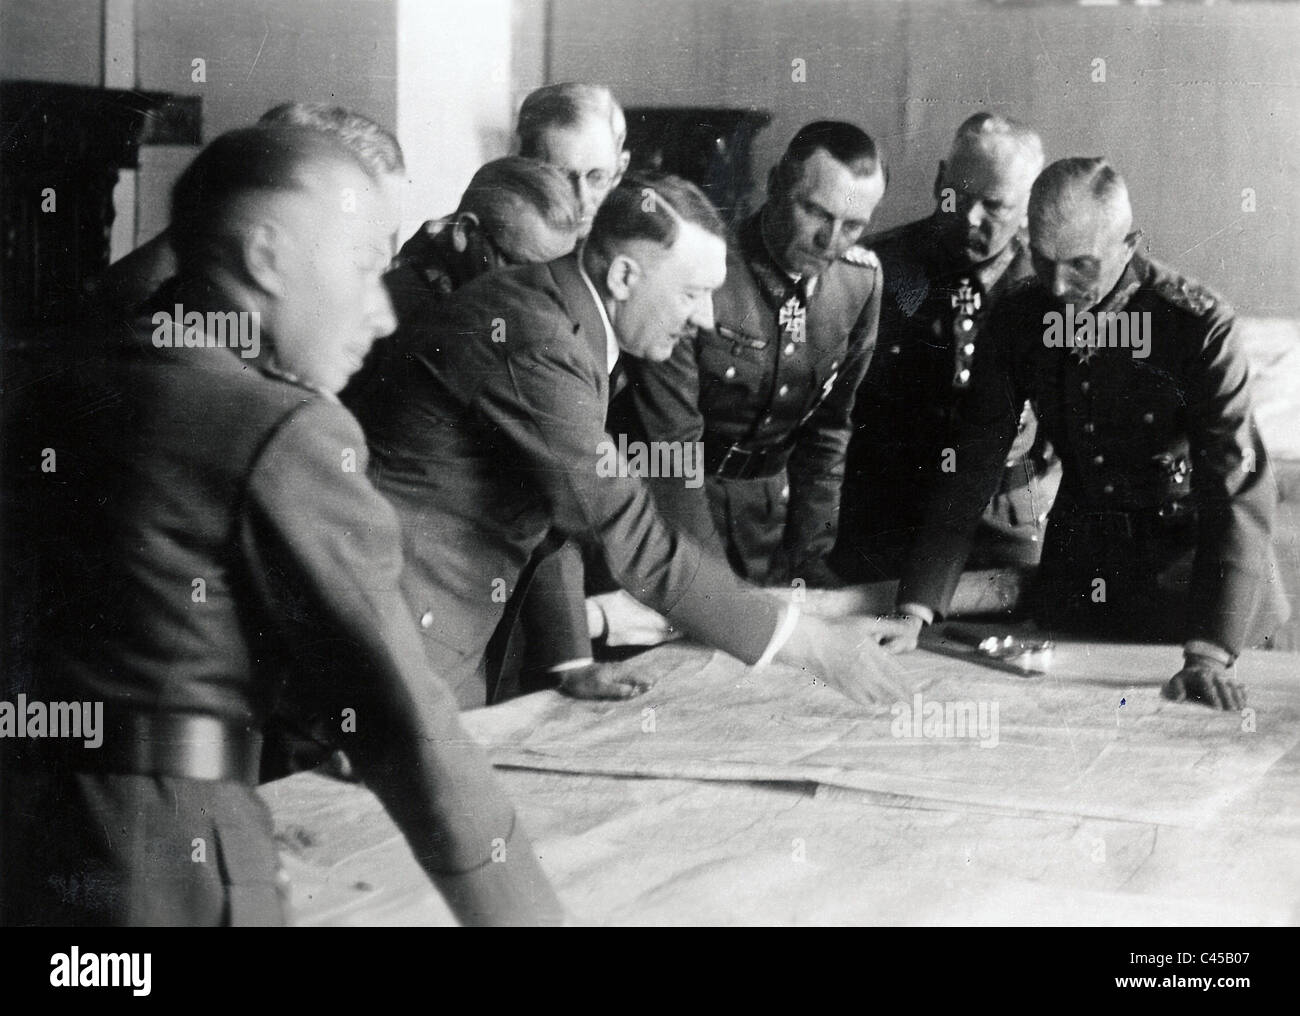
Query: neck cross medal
x,y
966,301
793,318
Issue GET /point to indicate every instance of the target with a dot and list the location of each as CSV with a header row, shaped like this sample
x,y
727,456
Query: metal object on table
x,y
1009,654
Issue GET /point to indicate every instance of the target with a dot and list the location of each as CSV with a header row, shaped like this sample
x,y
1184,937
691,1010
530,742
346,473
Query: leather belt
x,y
192,746
736,462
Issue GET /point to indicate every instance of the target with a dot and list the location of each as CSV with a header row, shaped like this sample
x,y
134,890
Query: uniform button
x,y
766,420
969,349
894,350
1089,427
1084,386
783,390
1108,489
1148,417
785,493
426,619
789,349
835,364
1098,460
729,373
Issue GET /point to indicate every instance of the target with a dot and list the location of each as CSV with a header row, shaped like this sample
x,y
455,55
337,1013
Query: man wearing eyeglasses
x,y
943,276
579,129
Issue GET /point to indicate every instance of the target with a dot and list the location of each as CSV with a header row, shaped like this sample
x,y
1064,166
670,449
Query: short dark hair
x,y
370,142
496,189
649,206
238,163
843,142
564,105
1099,178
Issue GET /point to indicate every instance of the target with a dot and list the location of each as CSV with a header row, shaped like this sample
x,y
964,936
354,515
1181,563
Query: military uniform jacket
x,y
491,433
1135,435
229,557
907,397
748,382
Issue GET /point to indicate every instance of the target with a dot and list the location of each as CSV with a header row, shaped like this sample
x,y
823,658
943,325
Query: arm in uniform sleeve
x,y
662,403
985,428
323,549
535,400
816,467
1235,497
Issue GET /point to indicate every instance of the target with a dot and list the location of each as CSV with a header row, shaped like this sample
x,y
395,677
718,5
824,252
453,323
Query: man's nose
x,y
1060,285
975,214
586,195
382,318
702,316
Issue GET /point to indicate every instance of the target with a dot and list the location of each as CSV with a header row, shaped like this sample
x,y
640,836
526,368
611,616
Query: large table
x,y
733,796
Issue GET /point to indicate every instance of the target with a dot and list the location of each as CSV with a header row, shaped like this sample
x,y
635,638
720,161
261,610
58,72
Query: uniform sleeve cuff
x,y
1199,647
917,610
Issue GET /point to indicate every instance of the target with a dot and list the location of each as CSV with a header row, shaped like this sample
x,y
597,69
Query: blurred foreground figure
x,y
190,517
1161,529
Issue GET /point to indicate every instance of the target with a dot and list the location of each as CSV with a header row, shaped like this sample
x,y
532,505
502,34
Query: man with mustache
x,y
943,276
769,388
1161,529
491,436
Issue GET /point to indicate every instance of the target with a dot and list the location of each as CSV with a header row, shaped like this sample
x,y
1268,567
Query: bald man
x,y
208,499
944,274
1161,529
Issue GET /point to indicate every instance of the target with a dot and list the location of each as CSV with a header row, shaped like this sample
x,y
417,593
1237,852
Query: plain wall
x,y
1199,103
52,40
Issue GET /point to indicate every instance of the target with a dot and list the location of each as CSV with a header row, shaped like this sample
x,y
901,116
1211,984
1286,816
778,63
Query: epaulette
x,y
1185,293
862,257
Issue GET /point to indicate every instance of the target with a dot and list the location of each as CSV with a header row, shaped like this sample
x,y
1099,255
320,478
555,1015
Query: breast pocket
x,y
733,363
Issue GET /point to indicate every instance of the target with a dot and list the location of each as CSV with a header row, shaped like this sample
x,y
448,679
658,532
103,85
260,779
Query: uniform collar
x,y
1003,265
775,280
1130,281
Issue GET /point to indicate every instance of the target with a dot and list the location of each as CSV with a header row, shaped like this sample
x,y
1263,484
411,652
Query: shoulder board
x,y
1185,293
862,257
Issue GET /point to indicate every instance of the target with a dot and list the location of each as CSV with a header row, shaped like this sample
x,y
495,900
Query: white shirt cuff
x,y
784,629
917,610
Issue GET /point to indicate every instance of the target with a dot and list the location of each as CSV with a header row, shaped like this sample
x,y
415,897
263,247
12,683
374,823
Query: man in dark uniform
x,y
493,435
769,389
189,521
1161,529
943,276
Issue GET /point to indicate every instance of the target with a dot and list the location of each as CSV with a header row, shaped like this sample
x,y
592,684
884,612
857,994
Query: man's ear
x,y
262,249
624,157
938,180
1131,241
622,276
464,225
